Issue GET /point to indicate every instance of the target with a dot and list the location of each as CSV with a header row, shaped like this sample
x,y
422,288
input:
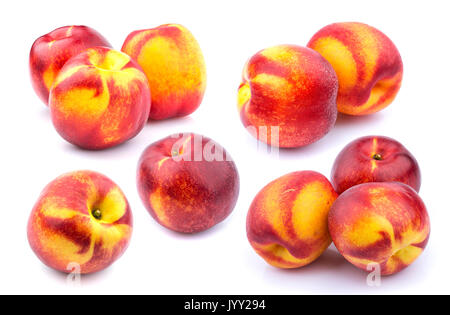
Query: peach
x,y
175,68
291,88
80,218
51,51
374,159
187,182
380,224
367,63
287,220
99,99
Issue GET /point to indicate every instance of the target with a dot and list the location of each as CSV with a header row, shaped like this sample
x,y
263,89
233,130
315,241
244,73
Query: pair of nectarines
x,y
187,182
370,210
352,68
100,97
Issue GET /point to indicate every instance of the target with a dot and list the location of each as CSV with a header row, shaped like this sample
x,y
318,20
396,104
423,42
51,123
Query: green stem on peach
x,y
96,213
377,157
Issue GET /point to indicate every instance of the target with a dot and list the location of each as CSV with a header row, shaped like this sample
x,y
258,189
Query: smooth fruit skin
x,y
289,87
51,51
62,229
100,99
367,63
175,68
287,220
380,223
374,159
182,188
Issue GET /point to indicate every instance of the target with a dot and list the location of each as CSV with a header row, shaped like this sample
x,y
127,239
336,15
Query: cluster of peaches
x,y
370,210
100,97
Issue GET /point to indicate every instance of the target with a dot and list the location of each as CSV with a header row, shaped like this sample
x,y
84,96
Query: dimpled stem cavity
x,y
377,157
96,213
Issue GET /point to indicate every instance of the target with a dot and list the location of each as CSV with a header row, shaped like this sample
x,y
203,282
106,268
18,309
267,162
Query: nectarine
x,y
287,220
51,51
80,218
99,99
291,88
385,224
374,159
174,65
367,63
187,182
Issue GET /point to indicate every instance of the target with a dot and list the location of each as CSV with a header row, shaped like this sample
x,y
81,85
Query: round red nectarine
x,y
51,51
100,99
288,96
367,64
374,159
287,220
384,225
81,218
187,182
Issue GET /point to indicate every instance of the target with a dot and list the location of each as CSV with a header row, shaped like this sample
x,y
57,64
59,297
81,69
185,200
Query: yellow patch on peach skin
x,y
113,206
49,77
48,209
367,40
83,102
134,40
113,60
365,231
267,250
408,254
276,84
67,73
155,200
166,57
405,256
374,146
278,88
374,165
341,58
109,235
310,211
244,95
281,54
408,234
374,151
68,251
379,91
271,209
112,120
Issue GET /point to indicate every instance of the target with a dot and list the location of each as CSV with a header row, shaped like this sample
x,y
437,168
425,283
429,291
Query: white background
x,y
221,261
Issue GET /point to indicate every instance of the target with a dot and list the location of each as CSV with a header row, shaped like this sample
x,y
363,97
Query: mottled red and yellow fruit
x,y
287,221
187,182
367,63
289,90
50,52
80,218
383,225
374,159
175,68
100,99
